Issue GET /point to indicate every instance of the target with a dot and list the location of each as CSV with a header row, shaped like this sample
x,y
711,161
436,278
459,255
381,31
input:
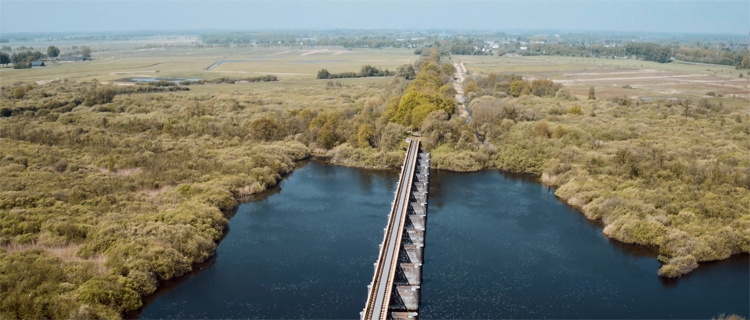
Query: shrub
x,y
541,129
559,132
19,93
265,129
110,293
575,110
60,166
326,137
99,96
678,266
364,134
564,94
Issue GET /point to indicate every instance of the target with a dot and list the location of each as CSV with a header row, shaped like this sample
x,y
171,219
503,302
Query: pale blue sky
x,y
727,17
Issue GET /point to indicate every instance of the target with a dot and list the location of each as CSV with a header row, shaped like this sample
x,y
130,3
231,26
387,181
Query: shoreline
x,y
651,251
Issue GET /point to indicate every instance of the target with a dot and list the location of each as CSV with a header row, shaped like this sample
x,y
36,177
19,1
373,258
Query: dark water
x,y
497,246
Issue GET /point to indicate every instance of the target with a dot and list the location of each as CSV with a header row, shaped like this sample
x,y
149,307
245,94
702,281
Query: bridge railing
x,y
369,311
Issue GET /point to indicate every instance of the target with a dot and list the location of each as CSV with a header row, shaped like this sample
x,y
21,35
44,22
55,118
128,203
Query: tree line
x,y
736,57
430,91
366,71
649,52
23,60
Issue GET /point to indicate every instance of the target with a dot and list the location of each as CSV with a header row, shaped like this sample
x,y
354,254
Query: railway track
x,y
381,288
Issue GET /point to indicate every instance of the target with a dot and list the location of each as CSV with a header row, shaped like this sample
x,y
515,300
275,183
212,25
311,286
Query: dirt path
x,y
458,85
314,52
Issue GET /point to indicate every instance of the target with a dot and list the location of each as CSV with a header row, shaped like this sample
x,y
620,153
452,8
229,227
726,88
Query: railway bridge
x,y
395,289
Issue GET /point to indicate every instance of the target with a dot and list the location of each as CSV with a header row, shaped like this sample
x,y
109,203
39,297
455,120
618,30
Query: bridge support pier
x,y
396,292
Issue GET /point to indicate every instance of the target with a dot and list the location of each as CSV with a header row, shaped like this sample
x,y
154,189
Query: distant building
x,y
37,64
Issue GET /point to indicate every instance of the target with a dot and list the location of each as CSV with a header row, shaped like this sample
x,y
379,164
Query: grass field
x,y
609,77
287,64
298,67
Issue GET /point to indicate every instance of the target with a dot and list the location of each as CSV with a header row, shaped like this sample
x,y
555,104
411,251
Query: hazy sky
x,y
606,15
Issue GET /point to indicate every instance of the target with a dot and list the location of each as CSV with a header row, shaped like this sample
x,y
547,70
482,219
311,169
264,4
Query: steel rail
x,y
378,298
399,231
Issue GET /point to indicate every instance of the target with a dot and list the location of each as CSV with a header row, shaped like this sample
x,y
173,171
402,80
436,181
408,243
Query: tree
x,y
448,69
21,65
592,93
745,64
364,134
265,129
53,52
324,74
406,71
544,87
435,55
4,58
517,87
327,137
686,105
86,52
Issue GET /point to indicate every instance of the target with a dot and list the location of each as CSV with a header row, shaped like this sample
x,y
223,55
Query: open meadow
x,y
212,63
618,77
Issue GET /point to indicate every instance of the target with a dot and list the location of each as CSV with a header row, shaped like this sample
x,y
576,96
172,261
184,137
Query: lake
x,y
497,246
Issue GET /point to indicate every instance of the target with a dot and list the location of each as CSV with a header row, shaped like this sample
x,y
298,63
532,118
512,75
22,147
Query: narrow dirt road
x,y
458,85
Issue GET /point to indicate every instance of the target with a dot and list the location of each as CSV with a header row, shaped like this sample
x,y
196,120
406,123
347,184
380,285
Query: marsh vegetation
x,y
108,190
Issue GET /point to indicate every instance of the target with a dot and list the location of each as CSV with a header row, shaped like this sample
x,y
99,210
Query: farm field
x,y
287,64
299,66
610,77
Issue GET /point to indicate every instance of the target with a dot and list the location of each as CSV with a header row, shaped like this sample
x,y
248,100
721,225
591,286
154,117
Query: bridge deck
x,y
382,289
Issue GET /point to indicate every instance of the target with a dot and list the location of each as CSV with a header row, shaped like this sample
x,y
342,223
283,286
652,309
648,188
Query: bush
x,y
559,132
21,65
19,93
60,166
575,110
99,96
364,134
326,137
109,293
678,266
541,129
265,129
564,94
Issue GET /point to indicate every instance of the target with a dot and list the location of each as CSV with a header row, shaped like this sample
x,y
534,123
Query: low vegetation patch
x,y
367,71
